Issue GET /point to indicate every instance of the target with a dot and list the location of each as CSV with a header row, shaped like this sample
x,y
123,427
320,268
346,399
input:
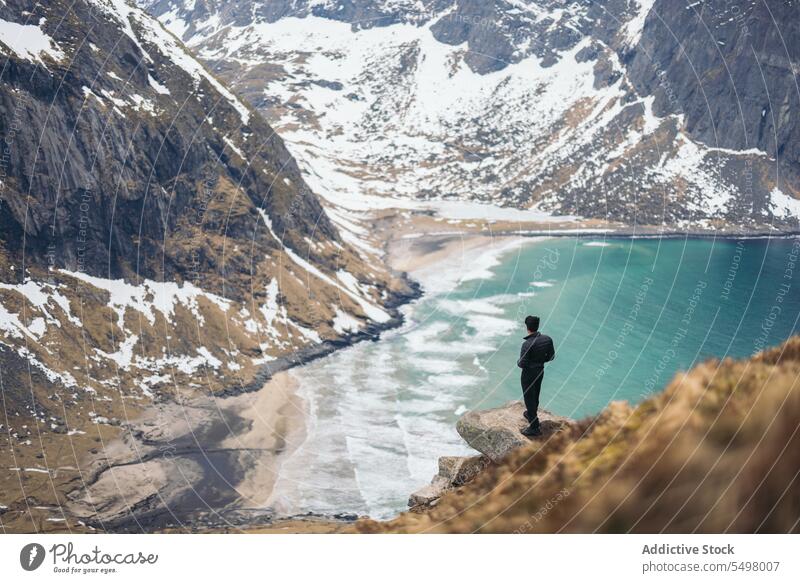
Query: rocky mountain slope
x,y
645,111
157,238
715,452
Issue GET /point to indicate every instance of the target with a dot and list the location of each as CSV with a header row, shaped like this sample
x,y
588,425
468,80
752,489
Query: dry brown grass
x,y
716,451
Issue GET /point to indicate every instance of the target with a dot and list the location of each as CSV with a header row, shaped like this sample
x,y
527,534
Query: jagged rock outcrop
x,y
454,471
493,432
729,69
496,432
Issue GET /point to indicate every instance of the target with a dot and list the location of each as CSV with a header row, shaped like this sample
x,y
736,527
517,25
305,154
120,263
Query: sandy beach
x,y
222,454
413,254
276,417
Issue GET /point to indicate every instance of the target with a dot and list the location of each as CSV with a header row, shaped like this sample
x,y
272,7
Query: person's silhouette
x,y
537,349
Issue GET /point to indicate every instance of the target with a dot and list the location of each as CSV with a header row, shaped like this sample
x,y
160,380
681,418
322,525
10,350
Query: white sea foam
x,y
371,431
476,361
419,335
381,413
477,305
433,365
453,380
490,326
455,349
505,299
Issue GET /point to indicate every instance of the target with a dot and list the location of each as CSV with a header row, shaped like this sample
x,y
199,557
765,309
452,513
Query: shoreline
x,y
224,451
425,259
232,444
622,234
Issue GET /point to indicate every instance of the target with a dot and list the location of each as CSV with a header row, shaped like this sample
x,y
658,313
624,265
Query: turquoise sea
x,y
625,315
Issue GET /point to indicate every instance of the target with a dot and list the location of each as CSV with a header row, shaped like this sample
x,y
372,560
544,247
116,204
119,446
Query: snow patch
x,y
372,312
784,205
29,41
151,297
153,33
632,32
157,87
344,323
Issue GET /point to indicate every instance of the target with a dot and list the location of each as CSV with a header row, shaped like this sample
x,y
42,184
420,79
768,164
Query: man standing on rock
x,y
537,349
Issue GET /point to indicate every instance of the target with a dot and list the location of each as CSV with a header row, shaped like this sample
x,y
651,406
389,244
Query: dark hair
x,y
532,323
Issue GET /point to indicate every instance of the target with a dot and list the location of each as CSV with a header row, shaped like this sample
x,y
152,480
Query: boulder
x,y
496,432
458,470
454,471
429,494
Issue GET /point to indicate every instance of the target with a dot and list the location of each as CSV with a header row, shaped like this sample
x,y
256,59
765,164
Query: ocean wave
x,y
431,365
477,305
490,326
454,380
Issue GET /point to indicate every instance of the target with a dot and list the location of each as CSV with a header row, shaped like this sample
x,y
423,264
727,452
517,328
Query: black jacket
x,y
536,350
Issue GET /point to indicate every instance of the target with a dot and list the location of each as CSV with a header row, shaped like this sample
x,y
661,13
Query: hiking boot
x,y
532,430
526,415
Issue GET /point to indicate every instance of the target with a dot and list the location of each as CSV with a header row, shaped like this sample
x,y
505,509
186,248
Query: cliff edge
x,y
715,451
495,433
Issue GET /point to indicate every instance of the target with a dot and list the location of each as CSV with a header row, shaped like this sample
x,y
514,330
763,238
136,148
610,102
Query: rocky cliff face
x,y
644,111
122,145
156,236
729,70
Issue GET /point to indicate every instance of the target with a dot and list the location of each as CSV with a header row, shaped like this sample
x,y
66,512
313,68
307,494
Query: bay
x,y
625,315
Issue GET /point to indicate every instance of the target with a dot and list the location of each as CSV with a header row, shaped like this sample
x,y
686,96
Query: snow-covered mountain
x,y
637,110
157,239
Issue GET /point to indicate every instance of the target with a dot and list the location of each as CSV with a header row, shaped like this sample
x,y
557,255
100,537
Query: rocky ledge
x,y
454,471
494,433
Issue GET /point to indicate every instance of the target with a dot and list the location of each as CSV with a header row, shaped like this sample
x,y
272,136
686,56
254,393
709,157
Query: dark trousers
x,y
531,387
